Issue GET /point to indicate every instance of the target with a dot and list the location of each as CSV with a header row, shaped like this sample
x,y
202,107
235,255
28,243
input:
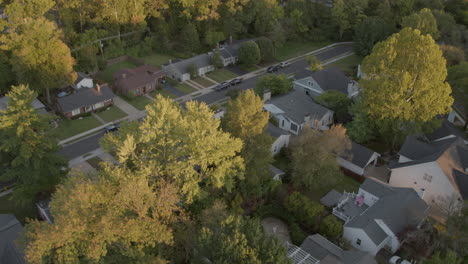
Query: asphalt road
x,y
91,143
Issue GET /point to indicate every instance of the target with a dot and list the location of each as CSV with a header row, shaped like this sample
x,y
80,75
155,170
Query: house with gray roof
x,y
438,169
377,215
280,138
357,159
83,81
328,79
445,131
36,104
85,100
10,230
180,69
317,249
295,109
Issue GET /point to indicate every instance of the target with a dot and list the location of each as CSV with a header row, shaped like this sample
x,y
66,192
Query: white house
x,y
328,79
280,137
438,169
295,109
357,158
83,80
377,214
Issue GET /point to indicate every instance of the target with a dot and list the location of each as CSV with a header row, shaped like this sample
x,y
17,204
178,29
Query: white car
x,y
284,64
398,260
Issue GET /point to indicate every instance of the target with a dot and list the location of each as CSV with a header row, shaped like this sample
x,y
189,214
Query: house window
x,y
98,105
76,112
275,149
358,242
282,123
293,127
427,177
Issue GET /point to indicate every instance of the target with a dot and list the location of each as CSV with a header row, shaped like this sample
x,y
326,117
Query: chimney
x,y
98,87
230,40
266,95
124,75
217,46
170,61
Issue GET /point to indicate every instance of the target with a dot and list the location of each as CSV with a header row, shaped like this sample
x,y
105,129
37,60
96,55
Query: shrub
x,y
277,84
193,70
267,49
331,227
216,60
308,212
249,53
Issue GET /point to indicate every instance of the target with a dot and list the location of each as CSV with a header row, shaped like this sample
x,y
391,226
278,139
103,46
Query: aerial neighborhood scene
x,y
234,131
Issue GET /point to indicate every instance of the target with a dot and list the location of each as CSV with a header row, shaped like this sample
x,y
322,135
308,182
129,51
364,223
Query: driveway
x,y
236,70
173,90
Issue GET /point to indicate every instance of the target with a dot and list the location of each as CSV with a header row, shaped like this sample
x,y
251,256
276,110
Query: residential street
x,y
91,143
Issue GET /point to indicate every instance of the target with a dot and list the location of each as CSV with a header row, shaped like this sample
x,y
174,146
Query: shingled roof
x,y
10,230
358,154
330,78
137,77
450,154
85,97
296,104
397,208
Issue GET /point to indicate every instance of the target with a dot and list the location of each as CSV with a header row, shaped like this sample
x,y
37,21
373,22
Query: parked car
x,y
222,86
398,260
235,81
284,64
273,68
111,128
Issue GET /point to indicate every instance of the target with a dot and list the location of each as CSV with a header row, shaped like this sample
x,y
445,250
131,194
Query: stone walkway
x,y
274,226
194,85
99,118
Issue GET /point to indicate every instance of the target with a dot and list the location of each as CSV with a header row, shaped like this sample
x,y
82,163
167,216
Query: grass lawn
x,y
163,93
221,75
139,102
203,82
111,113
94,162
68,128
185,88
156,59
107,74
249,68
21,212
348,65
293,49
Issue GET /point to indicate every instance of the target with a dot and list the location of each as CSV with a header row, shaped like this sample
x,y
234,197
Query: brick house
x,y
138,81
85,100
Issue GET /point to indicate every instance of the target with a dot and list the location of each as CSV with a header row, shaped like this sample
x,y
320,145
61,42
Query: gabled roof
x,y
446,129
358,154
137,77
36,104
81,76
85,97
10,230
330,78
397,208
275,171
450,154
327,252
200,61
296,104
275,131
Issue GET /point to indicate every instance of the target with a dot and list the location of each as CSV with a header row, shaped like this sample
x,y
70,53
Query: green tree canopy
x,y
249,53
182,146
438,258
331,227
217,60
314,63
370,31
267,49
336,101
322,170
238,240
276,83
120,214
246,120
424,21
27,147
404,84
189,38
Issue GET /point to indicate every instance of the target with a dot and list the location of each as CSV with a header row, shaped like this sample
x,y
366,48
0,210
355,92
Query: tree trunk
x,y
48,96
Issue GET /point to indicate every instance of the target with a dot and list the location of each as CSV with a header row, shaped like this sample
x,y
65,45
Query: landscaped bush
x,y
331,227
308,212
